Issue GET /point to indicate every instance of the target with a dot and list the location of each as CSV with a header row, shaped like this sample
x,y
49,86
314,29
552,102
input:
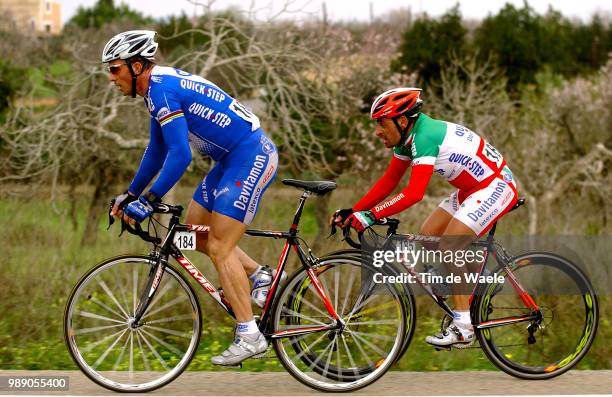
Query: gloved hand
x,y
361,220
340,216
138,211
119,203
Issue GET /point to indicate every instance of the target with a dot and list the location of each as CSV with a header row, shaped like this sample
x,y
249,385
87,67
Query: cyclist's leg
x,y
477,214
225,232
246,176
198,215
200,209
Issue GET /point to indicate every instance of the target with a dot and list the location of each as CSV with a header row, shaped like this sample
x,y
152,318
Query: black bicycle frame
x,y
168,248
503,259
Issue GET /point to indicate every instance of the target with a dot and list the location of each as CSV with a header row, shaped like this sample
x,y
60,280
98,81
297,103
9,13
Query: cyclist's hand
x,y
361,220
340,217
139,210
120,202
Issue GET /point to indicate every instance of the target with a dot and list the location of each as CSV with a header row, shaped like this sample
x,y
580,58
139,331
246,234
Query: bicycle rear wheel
x,y
113,351
351,356
561,331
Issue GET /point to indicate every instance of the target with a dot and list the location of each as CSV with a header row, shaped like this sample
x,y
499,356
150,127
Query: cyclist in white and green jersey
x,y
485,186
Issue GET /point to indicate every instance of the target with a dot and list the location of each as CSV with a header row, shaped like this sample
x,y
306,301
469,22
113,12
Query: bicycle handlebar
x,y
391,223
137,230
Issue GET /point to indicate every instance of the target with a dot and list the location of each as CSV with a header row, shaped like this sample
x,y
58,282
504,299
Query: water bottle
x,y
261,286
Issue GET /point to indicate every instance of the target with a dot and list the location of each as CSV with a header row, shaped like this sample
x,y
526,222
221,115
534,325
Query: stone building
x,y
31,16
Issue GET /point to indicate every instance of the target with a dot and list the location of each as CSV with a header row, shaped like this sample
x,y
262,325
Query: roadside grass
x,y
43,259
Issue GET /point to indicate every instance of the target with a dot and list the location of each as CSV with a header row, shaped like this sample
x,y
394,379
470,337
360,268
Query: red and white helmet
x,y
397,102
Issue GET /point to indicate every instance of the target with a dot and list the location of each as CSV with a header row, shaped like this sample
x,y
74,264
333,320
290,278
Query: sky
x,y
355,9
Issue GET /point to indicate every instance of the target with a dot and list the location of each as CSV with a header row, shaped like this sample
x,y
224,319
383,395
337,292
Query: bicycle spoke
x,y
99,317
359,306
142,353
313,307
369,344
309,347
173,302
348,293
362,351
103,356
375,336
154,351
94,329
98,343
374,322
336,287
105,306
348,353
329,356
170,319
131,368
171,332
122,292
135,289
163,343
318,359
123,349
167,287
112,296
300,315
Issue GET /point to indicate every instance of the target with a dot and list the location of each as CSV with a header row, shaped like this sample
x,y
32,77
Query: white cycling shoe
x,y
242,347
455,335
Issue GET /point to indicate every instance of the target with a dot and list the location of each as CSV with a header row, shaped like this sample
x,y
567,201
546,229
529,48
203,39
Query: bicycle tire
x,y
509,363
119,306
322,375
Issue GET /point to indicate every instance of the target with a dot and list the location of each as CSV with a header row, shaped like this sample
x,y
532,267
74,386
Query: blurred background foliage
x,y
538,86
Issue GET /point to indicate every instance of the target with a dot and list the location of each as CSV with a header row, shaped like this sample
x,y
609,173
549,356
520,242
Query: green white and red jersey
x,y
485,185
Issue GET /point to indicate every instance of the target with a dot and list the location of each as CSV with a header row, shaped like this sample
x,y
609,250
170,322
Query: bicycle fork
x,y
153,281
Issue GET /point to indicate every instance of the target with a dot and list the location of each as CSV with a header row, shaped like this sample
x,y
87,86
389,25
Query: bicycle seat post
x,y
298,213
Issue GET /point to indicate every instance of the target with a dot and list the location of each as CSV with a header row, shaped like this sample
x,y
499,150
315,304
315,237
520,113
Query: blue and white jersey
x,y
216,121
187,109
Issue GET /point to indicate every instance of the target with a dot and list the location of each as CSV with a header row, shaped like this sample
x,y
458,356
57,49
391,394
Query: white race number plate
x,y
185,240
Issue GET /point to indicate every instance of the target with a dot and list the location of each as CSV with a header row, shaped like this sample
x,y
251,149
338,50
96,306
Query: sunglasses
x,y
114,69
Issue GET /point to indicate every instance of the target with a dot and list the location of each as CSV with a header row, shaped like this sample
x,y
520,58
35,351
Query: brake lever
x,y
111,219
332,232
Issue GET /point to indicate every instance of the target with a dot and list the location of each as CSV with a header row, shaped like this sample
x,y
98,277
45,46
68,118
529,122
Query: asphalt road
x,y
237,383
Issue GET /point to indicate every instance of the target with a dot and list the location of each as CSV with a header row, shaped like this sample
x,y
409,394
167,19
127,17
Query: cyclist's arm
x,y
426,147
410,195
152,160
385,185
176,136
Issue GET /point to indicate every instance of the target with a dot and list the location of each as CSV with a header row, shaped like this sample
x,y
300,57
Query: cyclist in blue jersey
x,y
187,109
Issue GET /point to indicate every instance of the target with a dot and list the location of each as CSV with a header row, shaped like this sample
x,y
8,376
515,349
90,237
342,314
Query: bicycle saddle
x,y
316,187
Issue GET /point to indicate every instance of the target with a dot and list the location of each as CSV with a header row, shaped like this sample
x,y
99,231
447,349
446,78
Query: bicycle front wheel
x,y
109,347
350,356
542,343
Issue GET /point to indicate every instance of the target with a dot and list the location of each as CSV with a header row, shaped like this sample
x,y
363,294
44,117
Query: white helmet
x,y
129,44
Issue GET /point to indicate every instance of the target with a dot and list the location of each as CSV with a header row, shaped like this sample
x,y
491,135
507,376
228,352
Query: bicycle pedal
x,y
443,348
235,366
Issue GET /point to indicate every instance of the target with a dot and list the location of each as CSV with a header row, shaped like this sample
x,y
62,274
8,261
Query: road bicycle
x,y
535,319
133,322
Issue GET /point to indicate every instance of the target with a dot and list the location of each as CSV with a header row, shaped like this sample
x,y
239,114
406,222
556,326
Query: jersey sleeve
x,y
152,160
168,113
410,195
385,185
